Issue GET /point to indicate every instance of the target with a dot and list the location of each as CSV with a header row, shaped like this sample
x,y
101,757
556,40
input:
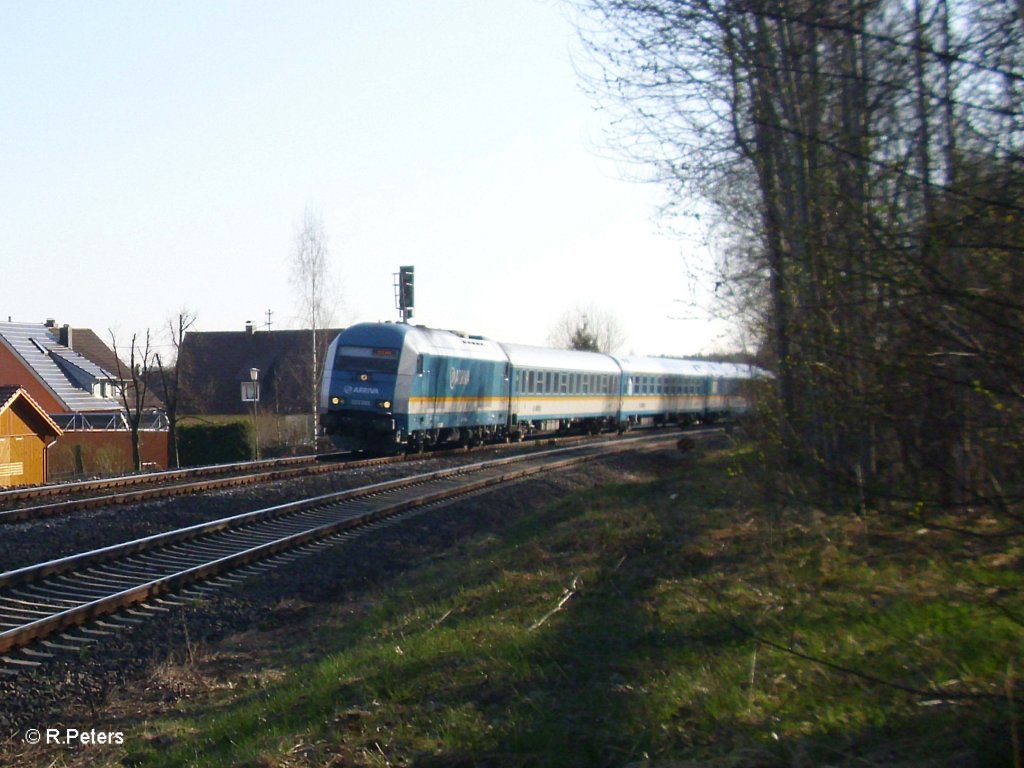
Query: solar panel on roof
x,y
65,372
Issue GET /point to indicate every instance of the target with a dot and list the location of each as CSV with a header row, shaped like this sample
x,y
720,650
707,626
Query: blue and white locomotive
x,y
392,386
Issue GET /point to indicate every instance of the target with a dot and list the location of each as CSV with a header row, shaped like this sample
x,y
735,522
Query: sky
x,y
160,156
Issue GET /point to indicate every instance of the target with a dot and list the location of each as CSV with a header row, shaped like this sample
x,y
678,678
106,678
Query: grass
x,y
668,620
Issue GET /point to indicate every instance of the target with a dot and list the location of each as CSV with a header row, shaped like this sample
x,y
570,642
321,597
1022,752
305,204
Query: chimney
x,y
250,329
65,335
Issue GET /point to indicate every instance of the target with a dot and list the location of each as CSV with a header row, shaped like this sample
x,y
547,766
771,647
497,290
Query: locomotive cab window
x,y
377,359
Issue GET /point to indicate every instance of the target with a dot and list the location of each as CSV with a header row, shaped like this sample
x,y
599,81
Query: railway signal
x,y
404,292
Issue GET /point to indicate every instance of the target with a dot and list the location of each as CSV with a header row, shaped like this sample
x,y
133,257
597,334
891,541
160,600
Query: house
x,y
81,397
86,343
62,381
26,432
214,366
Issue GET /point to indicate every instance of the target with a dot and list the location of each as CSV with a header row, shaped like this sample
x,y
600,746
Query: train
x,y
389,387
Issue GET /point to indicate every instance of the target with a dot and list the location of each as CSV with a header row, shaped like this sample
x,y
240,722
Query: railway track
x,y
18,505
33,503
40,601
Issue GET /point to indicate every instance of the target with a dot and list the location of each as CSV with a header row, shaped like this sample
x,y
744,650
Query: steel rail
x,y
77,589
21,514
126,481
161,485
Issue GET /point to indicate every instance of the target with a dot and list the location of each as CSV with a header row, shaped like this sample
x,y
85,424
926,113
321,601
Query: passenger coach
x,y
660,389
554,388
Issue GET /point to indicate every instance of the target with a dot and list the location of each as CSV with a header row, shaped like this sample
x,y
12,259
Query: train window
x,y
563,383
419,365
381,360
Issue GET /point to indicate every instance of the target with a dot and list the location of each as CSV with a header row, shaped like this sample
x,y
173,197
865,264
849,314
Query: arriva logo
x,y
348,389
458,377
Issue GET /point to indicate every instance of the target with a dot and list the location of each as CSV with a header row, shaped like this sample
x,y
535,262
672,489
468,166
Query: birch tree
x,y
314,290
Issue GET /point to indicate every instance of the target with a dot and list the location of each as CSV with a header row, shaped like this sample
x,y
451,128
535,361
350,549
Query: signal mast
x,y
404,292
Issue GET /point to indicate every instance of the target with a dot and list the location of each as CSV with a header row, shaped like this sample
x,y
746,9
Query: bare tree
x,y
170,378
310,278
134,387
590,329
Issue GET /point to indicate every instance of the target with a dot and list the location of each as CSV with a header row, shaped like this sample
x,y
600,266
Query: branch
x,y
572,590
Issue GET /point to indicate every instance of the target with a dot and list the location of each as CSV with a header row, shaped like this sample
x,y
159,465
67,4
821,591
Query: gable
x,y
21,415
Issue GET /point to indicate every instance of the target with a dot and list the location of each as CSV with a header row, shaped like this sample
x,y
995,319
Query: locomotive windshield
x,y
379,359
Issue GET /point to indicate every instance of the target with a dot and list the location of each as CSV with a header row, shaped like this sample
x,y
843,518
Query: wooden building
x,y
26,431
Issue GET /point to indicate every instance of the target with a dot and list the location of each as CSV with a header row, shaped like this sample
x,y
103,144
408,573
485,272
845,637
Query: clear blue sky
x,y
160,155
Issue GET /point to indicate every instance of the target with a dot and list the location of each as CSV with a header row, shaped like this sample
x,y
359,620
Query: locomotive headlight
x,y
364,377
336,400
385,404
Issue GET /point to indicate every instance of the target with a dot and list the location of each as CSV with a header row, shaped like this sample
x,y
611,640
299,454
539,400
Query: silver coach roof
x,y
524,356
667,366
